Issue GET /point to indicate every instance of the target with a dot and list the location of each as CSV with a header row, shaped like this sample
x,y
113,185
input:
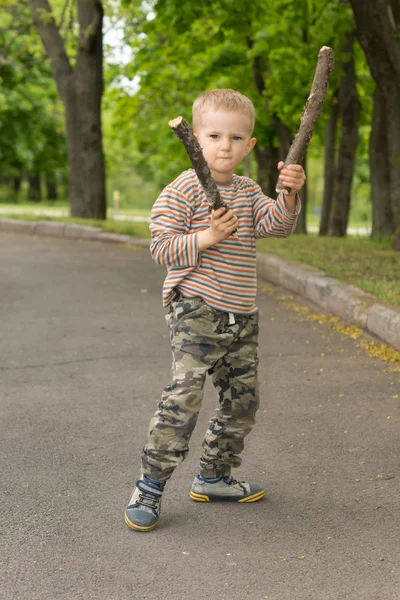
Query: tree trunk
x,y
267,156
349,109
51,188
329,169
284,136
382,216
393,116
285,139
17,181
34,190
81,90
377,31
267,173
302,219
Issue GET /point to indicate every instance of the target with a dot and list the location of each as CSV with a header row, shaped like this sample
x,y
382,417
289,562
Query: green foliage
x,y
189,47
178,49
31,121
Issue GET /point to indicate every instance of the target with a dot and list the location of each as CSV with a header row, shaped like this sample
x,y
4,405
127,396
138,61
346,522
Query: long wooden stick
x,y
185,133
311,111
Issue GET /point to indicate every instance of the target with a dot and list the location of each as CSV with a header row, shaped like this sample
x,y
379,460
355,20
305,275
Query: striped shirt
x,y
224,275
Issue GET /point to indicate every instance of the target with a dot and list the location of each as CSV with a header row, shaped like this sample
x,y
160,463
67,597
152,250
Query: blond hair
x,y
229,100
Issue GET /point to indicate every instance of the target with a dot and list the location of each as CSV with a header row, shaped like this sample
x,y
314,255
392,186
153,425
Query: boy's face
x,y
225,140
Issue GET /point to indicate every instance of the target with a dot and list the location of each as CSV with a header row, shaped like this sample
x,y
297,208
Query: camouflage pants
x,y
203,341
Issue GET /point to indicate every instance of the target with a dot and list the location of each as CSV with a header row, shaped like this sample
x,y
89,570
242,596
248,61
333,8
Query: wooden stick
x,y
311,111
184,132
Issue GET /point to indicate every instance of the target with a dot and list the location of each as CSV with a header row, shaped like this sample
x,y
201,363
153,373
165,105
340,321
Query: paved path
x,y
83,357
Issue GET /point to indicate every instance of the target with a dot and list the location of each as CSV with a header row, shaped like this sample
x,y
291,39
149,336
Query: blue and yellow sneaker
x,y
144,507
225,489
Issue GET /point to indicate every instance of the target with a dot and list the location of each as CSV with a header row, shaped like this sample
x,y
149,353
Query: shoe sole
x,y
138,527
210,498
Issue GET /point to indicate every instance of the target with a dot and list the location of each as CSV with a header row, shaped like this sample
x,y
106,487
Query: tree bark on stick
x,y
312,110
184,132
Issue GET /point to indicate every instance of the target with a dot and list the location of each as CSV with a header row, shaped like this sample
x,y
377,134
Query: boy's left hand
x,y
292,177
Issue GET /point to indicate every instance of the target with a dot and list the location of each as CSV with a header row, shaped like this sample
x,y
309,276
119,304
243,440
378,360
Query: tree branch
x,y
63,14
87,34
184,132
312,110
52,41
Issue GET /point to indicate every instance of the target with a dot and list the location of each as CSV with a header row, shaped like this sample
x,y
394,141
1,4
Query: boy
x,y
210,289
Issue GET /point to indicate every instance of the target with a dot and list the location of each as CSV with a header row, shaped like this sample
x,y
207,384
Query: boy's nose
x,y
225,144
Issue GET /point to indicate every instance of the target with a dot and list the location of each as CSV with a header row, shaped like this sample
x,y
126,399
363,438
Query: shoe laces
x,y
230,481
149,499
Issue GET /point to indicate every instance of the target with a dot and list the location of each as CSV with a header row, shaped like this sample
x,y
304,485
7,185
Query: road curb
x,y
346,301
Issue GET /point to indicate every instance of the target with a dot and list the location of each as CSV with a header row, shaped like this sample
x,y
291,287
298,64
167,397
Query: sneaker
x,y
225,489
144,507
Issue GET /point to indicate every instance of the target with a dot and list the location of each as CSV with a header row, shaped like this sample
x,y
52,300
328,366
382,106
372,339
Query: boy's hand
x,y
292,177
223,223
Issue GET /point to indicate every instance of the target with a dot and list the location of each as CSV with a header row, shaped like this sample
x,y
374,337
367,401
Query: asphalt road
x,y
84,355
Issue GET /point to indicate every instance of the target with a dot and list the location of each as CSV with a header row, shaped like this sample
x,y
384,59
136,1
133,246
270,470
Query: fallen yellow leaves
x,y
380,350
374,349
268,288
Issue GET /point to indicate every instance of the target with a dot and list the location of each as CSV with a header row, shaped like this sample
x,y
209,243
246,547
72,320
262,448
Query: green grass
x,y
371,265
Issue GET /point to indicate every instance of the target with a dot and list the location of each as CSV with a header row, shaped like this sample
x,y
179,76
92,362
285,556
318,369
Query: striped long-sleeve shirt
x,y
224,275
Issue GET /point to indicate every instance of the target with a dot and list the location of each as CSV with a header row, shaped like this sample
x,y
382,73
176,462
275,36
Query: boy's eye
x,y
214,136
237,137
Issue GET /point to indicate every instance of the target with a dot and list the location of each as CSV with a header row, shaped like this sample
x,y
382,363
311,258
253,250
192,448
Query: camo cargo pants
x,y
204,341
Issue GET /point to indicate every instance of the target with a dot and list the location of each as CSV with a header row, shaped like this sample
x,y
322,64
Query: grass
x,y
371,265
29,208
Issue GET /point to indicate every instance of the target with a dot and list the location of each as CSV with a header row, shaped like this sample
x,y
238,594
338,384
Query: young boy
x,y
210,290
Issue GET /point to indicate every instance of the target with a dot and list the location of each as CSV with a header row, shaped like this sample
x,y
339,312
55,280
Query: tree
x,y
266,50
377,24
32,140
32,137
329,165
80,86
349,112
382,214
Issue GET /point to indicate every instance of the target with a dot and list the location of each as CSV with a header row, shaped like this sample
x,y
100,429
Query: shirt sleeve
x,y
171,245
271,217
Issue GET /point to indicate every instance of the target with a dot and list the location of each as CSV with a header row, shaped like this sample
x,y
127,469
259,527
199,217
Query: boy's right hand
x,y
223,223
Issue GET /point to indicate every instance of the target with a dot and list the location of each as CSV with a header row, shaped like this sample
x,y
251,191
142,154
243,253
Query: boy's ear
x,y
250,145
